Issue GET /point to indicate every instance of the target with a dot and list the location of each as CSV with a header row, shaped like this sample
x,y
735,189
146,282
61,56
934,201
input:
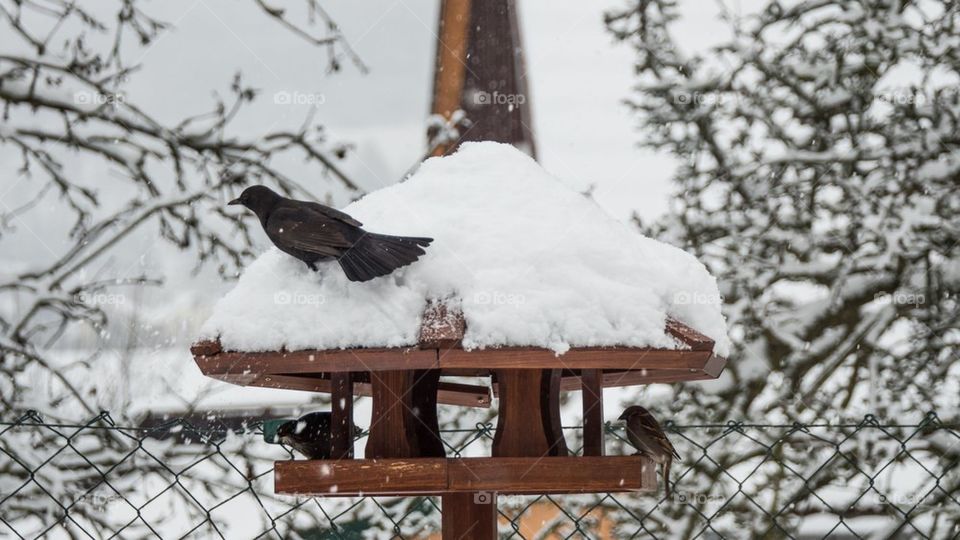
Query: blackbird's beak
x,y
233,202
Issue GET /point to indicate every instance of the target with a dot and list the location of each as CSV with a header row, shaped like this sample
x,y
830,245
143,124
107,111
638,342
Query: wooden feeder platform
x,y
405,454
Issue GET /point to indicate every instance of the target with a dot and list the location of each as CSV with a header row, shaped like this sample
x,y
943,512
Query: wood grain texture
x,y
592,399
448,393
426,425
352,477
620,378
392,425
469,516
689,336
519,475
550,412
293,362
586,474
577,358
341,415
520,420
450,68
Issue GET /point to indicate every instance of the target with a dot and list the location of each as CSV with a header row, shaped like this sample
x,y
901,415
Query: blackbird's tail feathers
x,y
380,254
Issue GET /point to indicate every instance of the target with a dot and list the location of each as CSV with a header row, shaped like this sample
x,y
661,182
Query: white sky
x,y
577,77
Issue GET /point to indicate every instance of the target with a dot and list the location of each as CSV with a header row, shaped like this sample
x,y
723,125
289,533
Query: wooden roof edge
x,y
443,327
688,335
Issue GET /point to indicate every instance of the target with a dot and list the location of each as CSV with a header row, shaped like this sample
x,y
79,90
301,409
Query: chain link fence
x,y
860,479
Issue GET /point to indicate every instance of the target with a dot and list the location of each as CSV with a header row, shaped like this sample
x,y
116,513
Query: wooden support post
x,y
550,412
341,415
426,425
392,430
592,395
524,422
469,516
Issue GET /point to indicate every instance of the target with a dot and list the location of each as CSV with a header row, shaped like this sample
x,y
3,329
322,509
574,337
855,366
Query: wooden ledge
x,y
422,476
623,358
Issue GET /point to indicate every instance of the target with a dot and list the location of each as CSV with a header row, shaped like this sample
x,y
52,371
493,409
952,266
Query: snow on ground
x,y
533,262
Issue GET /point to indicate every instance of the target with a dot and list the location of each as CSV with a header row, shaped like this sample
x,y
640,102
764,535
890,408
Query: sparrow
x,y
314,233
646,435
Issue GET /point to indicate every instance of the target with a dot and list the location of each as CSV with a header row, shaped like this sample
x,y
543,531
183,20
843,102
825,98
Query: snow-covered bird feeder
x,y
528,285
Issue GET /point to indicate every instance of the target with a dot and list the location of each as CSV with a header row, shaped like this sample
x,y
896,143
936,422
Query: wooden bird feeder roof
x,y
439,347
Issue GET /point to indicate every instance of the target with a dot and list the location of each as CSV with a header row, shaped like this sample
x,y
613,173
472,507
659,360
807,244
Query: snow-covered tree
x,y
818,176
63,69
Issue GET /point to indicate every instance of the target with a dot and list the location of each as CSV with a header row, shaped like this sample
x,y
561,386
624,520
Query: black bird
x,y
313,233
646,435
309,435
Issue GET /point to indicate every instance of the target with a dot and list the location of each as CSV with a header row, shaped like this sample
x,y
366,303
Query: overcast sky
x,y
577,77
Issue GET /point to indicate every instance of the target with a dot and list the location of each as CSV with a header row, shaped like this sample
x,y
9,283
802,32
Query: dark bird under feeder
x,y
309,435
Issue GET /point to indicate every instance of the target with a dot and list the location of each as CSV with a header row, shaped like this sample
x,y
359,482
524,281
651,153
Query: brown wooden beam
x,y
575,474
689,336
341,415
521,430
373,359
592,396
550,412
424,402
351,477
392,426
620,379
448,393
469,516
576,358
519,475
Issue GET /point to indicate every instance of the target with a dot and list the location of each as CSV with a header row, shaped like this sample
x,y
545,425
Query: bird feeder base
x,y
484,475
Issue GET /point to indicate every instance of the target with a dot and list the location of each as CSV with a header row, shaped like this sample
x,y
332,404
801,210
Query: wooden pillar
x,y
424,400
550,411
591,381
528,422
341,415
469,516
520,418
392,430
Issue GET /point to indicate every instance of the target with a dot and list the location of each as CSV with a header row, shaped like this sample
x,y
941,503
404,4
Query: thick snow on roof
x,y
532,262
